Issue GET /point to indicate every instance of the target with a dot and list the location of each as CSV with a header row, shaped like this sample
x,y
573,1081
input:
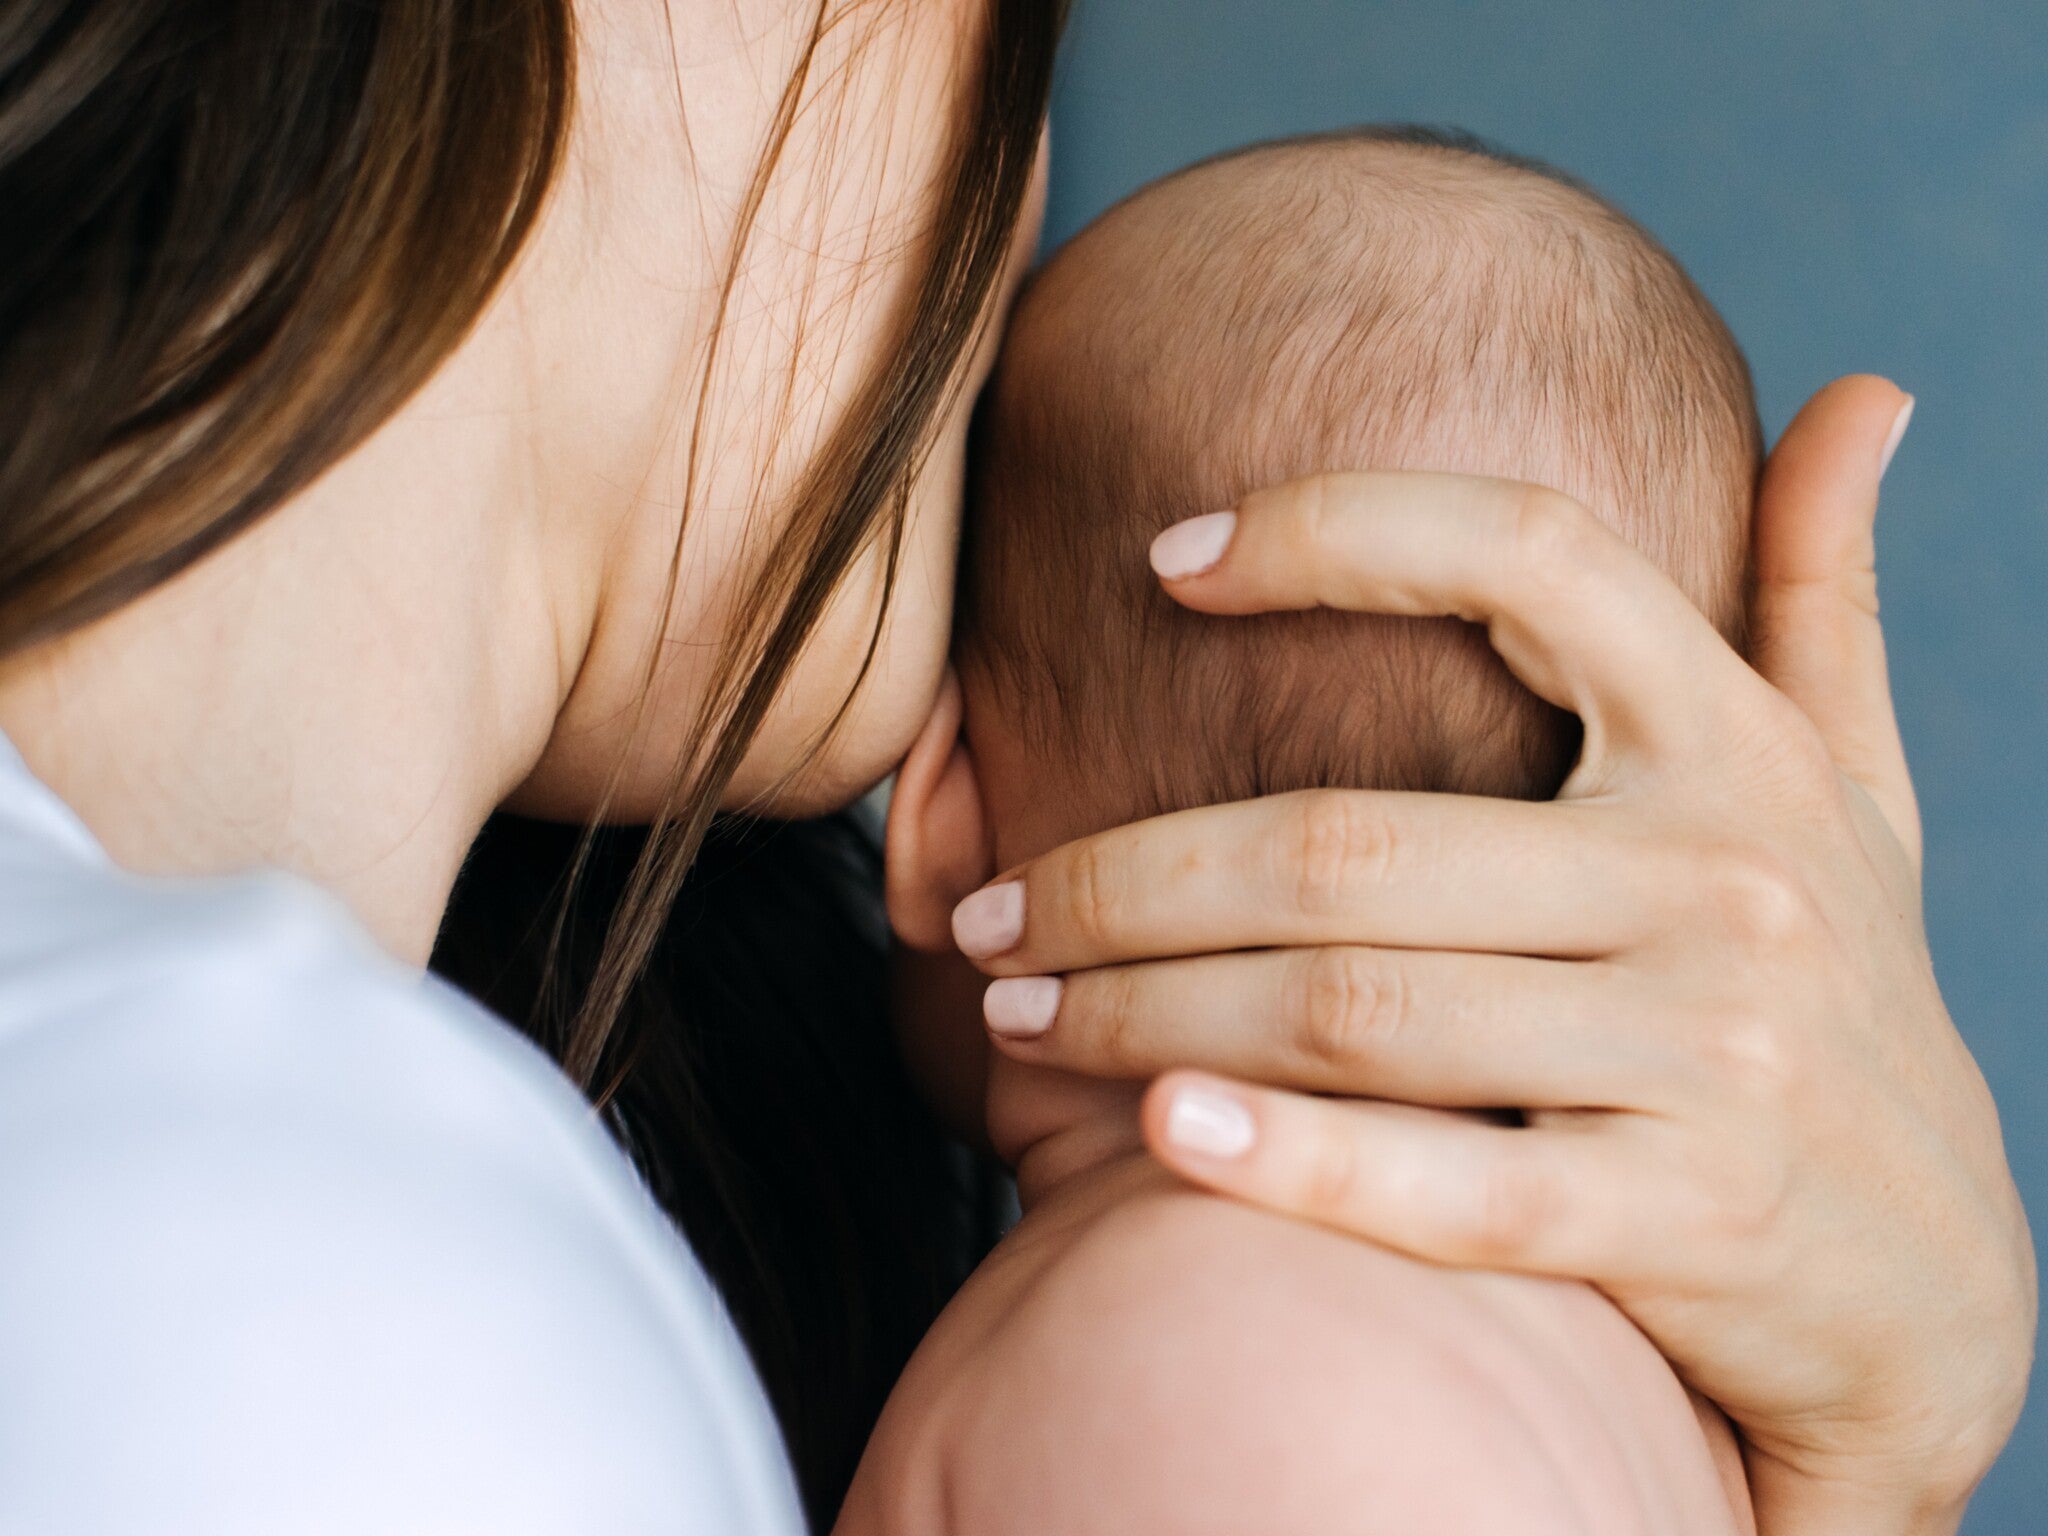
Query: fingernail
x,y
1190,548
1021,1007
1209,1124
990,921
1891,444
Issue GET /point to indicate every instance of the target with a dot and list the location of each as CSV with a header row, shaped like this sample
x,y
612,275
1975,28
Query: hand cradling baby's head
x,y
1385,299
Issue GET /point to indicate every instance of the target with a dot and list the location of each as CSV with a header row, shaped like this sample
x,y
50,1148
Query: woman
x,y
402,425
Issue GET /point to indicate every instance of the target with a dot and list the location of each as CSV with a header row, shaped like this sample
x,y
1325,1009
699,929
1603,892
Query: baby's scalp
x,y
1377,299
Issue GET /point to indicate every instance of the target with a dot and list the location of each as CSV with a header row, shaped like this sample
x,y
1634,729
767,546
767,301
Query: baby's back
x,y
1140,1357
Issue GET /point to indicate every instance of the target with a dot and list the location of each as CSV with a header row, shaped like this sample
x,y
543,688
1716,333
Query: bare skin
x,y
1140,1356
1713,935
463,613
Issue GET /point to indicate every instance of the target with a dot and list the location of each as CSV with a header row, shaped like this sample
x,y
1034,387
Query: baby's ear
x,y
937,850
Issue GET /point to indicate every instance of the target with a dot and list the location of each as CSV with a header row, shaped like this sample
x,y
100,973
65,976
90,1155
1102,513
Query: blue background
x,y
1859,184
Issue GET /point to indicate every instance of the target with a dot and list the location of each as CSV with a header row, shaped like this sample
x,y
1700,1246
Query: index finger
x,y
1577,614
1329,866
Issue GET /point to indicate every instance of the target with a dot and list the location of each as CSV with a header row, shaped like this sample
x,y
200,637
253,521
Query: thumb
x,y
1814,623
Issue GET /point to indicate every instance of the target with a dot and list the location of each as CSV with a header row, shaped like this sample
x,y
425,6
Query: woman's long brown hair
x,y
235,236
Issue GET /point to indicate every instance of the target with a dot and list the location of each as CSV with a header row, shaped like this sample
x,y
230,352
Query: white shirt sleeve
x,y
292,1243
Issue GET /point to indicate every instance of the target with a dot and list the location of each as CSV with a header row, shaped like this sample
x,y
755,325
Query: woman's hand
x,y
1701,972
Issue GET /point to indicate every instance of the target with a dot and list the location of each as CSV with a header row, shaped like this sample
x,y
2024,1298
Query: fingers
x,y
1580,617
1326,866
1816,630
1422,1026
1442,1186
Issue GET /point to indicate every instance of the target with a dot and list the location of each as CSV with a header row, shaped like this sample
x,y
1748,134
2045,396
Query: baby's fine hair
x,y
1384,298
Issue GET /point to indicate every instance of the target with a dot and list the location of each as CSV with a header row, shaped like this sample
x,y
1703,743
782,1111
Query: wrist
x,y
1792,1504
1860,1517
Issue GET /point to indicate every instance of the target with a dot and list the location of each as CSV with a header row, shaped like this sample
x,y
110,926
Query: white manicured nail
x,y
1209,1124
1891,444
990,921
1021,1007
1190,548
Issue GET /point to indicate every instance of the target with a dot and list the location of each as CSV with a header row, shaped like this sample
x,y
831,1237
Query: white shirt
x,y
291,1242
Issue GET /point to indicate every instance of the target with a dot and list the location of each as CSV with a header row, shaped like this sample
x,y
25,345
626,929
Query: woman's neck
x,y
345,691
349,688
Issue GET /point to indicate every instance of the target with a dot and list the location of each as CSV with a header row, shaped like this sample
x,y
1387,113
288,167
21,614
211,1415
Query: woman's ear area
x,y
937,847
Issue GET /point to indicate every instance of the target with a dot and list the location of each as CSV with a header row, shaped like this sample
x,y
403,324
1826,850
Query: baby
x,y
1136,1356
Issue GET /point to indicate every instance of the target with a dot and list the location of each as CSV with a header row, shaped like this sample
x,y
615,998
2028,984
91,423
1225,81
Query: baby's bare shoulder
x,y
1143,1357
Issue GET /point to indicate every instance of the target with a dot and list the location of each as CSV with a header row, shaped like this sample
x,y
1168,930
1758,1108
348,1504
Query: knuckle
x,y
1330,1180
1757,1055
1746,1199
1761,898
1313,513
1117,1033
1352,1004
1514,1203
1552,538
1091,894
1339,850
1094,1018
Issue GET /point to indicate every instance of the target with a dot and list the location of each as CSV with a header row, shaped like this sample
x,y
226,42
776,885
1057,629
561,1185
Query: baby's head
x,y
1387,299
